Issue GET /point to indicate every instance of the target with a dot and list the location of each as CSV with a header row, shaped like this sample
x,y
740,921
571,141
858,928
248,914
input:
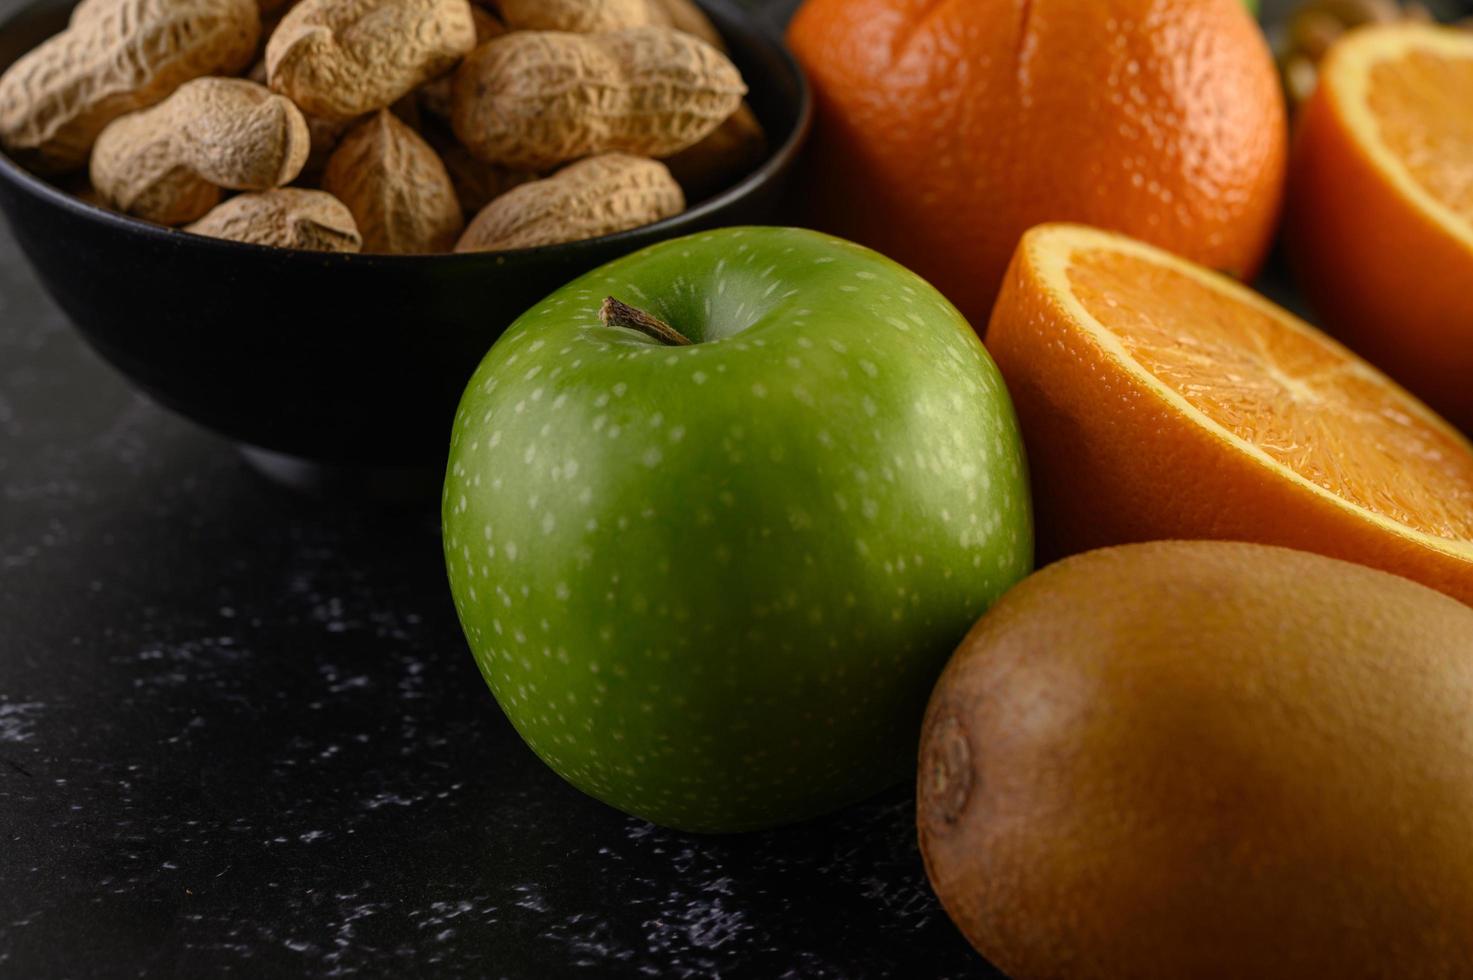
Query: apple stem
x,y
616,314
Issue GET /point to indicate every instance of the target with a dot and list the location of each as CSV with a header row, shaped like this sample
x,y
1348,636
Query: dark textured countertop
x,y
241,734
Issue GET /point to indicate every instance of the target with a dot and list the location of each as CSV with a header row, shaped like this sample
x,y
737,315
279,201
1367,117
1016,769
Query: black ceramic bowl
x,y
353,360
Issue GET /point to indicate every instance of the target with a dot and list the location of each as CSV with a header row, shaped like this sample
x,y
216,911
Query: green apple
x,y
712,583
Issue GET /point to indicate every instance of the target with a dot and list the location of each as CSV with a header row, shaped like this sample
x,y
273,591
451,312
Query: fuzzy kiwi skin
x,y
1207,760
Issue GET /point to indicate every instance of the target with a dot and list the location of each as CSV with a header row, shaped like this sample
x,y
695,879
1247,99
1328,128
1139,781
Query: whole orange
x,y
946,129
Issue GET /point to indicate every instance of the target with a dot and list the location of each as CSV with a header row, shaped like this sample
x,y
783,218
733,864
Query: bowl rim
x,y
778,159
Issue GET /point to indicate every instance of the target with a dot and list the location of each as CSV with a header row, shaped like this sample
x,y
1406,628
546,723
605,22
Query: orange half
x,y
1381,208
1159,399
1407,92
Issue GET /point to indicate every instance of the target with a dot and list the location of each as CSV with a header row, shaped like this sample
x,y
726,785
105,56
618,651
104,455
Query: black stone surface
x,y
241,735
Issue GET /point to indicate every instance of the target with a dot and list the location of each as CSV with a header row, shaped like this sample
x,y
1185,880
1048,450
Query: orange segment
x,y
1381,205
1159,400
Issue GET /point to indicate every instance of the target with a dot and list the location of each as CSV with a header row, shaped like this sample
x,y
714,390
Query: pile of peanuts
x,y
390,126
